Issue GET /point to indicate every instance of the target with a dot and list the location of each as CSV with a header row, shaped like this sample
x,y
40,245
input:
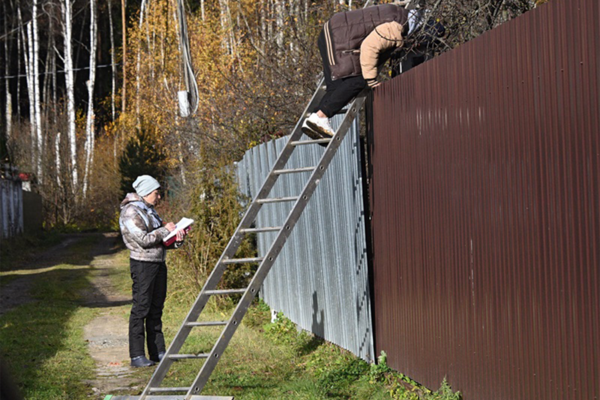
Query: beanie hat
x,y
145,184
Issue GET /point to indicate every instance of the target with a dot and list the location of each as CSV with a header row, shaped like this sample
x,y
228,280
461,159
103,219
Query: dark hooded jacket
x,y
362,37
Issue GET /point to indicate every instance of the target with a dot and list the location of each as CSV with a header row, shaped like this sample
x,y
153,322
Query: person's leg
x,y
155,337
342,92
339,92
142,275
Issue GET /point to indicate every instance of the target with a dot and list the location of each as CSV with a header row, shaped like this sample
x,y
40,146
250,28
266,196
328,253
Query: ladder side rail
x,y
250,214
230,250
269,259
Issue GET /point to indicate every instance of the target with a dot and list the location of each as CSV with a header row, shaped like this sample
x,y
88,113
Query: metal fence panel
x,y
11,208
320,279
486,211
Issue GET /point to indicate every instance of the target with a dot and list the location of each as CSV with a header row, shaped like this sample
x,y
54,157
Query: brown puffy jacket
x,y
359,40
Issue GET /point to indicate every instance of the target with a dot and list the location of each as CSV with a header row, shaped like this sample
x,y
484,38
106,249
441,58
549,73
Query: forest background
x,y
89,96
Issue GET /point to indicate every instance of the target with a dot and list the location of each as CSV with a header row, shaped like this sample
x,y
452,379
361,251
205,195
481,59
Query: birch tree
x,y
89,126
30,38
113,65
37,108
8,105
67,26
138,65
124,57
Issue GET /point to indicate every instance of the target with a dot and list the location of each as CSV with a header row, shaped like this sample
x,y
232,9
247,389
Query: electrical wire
x,y
188,72
59,72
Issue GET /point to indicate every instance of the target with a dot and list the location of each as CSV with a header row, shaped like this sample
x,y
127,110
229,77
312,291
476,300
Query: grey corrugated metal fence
x,y
320,280
11,206
486,211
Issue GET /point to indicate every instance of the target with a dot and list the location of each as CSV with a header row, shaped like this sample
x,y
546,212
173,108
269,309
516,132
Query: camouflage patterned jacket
x,y
142,229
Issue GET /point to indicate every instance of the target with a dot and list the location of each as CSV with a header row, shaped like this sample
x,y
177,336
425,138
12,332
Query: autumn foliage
x,y
255,63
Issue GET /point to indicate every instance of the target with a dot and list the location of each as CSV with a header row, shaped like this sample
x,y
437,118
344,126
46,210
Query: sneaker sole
x,y
324,134
311,133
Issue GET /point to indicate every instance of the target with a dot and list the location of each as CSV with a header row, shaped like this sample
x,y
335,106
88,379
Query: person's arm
x,y
384,37
139,232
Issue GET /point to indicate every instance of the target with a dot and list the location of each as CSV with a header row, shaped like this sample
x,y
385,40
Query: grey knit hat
x,y
145,184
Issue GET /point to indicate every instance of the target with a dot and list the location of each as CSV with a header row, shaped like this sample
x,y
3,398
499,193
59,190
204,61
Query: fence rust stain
x,y
485,201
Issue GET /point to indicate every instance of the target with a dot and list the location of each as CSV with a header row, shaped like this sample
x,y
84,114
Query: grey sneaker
x,y
319,125
141,361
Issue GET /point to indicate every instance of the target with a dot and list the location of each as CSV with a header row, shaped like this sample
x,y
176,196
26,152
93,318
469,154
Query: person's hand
x,y
170,226
180,235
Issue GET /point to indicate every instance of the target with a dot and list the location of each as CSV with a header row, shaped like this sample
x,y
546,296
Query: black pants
x,y
339,92
149,292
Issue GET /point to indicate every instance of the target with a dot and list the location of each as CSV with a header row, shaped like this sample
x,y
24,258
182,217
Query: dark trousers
x,y
149,292
339,92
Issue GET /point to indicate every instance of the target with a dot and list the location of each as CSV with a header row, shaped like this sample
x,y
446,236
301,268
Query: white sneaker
x,y
308,131
319,125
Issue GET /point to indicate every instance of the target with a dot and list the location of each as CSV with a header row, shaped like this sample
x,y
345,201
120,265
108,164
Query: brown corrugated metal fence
x,y
485,201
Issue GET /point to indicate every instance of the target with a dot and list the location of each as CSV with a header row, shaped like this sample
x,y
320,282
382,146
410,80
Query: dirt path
x,y
106,335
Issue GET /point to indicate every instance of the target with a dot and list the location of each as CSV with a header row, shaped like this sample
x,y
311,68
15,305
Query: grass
x,y
42,343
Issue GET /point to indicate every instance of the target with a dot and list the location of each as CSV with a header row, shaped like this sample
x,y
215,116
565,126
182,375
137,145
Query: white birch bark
x,y
226,26
113,65
70,86
124,39
19,51
37,108
58,160
8,108
89,125
279,25
26,38
138,66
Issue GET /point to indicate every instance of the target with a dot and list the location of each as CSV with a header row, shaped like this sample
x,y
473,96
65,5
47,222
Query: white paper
x,y
182,224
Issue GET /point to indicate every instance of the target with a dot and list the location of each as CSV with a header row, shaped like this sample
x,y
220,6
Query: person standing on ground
x,y
143,232
353,46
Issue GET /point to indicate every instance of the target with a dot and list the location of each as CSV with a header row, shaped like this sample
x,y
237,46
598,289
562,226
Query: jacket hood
x,y
130,198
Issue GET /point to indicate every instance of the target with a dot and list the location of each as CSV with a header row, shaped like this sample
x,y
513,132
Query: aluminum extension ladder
x,y
153,390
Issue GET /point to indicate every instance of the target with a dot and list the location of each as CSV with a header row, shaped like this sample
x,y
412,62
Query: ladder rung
x,y
187,356
211,323
305,142
258,230
168,389
293,170
242,260
226,291
276,200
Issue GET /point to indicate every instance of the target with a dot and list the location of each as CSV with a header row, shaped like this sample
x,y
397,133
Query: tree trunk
x,y
8,108
58,160
113,66
37,94
19,50
89,126
138,66
124,39
27,39
70,86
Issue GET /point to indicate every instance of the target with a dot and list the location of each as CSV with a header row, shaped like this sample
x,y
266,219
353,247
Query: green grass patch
x,y
42,342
